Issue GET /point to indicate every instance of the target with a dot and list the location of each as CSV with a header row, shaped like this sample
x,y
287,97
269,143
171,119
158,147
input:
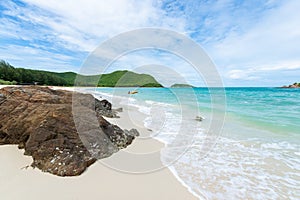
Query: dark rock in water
x,y
199,118
42,121
132,132
119,110
105,104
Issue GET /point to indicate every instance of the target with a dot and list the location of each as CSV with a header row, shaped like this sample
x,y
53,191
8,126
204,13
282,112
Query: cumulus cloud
x,y
270,44
86,23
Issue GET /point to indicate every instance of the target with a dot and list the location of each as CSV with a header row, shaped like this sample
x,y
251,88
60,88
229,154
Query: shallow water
x,y
257,154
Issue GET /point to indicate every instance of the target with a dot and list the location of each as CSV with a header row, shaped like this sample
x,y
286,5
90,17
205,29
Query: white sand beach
x,y
98,182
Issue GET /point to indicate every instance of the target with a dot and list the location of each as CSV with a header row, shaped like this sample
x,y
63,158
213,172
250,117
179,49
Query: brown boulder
x,y
42,121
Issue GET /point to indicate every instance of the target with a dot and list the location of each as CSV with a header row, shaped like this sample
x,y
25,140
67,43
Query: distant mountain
x,y
181,85
127,79
115,79
12,75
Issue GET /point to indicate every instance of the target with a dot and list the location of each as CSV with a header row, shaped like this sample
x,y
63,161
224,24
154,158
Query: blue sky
x,y
252,43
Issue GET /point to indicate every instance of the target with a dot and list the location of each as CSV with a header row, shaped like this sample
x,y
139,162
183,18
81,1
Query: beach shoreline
x,y
100,180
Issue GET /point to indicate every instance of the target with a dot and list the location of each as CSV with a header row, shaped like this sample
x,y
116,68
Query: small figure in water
x,y
132,92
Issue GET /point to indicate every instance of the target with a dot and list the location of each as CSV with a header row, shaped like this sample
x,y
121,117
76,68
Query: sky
x,y
251,43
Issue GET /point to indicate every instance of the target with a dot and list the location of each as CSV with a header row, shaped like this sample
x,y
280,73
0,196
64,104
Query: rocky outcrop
x,y
64,133
295,85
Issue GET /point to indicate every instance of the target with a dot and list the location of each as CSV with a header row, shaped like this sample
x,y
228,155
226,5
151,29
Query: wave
x,y
240,166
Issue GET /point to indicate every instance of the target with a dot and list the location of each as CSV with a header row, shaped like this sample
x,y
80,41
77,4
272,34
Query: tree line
x,y
10,75
14,75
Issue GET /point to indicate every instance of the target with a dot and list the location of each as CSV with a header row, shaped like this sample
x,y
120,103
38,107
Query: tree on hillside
x,y
21,75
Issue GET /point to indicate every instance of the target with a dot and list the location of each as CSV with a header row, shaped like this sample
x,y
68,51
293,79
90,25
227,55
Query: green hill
x,y
69,77
12,75
115,79
127,79
181,85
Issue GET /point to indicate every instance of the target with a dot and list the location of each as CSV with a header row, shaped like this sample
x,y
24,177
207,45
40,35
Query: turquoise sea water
x,y
257,154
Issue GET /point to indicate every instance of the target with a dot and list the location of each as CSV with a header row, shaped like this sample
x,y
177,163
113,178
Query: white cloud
x,y
248,73
241,74
272,41
86,23
287,65
79,27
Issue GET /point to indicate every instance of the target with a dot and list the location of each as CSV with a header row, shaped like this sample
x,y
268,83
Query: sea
x,y
224,143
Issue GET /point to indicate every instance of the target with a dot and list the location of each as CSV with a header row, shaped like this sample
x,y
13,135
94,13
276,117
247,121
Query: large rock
x,y
42,121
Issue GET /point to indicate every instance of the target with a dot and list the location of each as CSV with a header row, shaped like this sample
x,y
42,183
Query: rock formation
x,y
63,137
295,85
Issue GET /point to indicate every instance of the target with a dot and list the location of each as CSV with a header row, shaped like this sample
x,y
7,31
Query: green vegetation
x,y
180,85
28,76
3,82
12,75
127,79
297,84
68,77
118,79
